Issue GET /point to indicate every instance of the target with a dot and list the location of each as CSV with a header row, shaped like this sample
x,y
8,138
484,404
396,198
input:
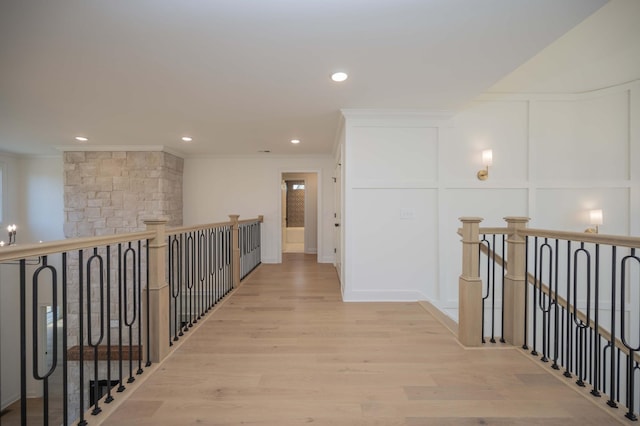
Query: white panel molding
x,y
488,184
426,118
392,184
631,85
582,184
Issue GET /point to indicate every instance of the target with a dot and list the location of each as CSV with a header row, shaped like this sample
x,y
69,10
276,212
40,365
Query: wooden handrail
x,y
20,251
612,240
584,237
183,229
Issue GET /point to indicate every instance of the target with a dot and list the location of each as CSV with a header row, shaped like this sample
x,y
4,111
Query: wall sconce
x,y
11,229
487,160
595,219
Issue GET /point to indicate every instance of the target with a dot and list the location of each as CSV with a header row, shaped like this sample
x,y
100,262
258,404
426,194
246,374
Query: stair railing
x,y
572,299
95,313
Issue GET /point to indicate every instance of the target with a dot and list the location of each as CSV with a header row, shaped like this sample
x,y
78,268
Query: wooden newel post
x,y
515,283
158,292
470,285
235,243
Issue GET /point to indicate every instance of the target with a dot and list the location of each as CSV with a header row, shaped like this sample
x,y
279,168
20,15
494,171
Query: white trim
x,y
319,218
590,94
377,114
382,296
120,148
265,156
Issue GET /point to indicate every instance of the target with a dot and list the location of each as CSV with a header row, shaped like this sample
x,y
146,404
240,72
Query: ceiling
x,y
242,76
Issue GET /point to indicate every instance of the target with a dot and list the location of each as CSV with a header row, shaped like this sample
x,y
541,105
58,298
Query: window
x,y
298,186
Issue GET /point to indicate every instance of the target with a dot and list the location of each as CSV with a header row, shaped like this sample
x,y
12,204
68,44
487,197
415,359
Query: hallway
x,y
284,350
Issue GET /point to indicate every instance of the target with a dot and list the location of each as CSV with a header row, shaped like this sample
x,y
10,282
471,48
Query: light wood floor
x,y
284,350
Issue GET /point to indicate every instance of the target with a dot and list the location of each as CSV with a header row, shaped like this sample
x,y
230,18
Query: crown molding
x,y
397,113
125,148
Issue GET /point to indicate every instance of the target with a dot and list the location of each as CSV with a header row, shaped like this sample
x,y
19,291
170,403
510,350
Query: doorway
x,y
299,217
294,215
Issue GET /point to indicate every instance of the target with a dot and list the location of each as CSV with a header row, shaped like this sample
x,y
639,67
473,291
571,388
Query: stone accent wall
x,y
113,192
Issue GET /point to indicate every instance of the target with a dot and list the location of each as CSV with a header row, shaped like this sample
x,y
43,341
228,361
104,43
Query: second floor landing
x,y
284,349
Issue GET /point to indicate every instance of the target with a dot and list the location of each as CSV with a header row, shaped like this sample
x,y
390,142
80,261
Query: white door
x,y
337,220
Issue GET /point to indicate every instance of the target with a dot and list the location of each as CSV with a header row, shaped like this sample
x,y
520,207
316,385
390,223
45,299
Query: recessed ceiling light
x,y
339,76
295,141
81,139
186,139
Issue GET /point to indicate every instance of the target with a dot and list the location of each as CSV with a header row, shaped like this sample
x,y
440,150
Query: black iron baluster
x,y
190,277
242,247
486,296
595,345
612,400
536,278
556,306
121,386
139,307
526,293
109,398
493,291
211,266
229,259
35,337
504,260
569,321
23,343
202,257
90,341
148,325
65,328
581,326
175,274
82,421
625,337
221,236
544,301
129,322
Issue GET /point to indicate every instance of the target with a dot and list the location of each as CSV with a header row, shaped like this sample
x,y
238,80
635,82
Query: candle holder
x,y
12,234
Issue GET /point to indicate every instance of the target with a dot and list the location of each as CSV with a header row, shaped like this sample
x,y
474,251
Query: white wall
x,y
390,206
9,290
216,187
33,201
41,183
554,158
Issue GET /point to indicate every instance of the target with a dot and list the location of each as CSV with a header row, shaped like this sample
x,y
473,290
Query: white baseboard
x,y
382,296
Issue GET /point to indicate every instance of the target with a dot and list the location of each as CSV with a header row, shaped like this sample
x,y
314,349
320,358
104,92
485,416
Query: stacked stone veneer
x,y
113,192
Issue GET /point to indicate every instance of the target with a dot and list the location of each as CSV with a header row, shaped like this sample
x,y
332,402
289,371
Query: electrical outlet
x,y
406,213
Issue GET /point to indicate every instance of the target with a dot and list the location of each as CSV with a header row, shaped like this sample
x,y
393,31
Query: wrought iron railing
x,y
95,313
572,299
250,246
199,273
491,269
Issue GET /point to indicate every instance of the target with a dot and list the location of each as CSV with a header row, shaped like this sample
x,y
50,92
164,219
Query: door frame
x,y
319,217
